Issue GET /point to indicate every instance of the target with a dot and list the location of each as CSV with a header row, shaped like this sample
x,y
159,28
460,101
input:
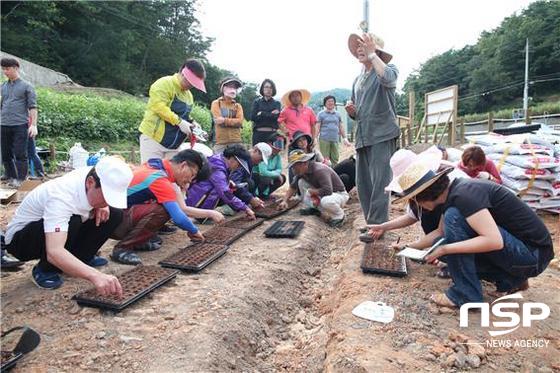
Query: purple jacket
x,y
206,194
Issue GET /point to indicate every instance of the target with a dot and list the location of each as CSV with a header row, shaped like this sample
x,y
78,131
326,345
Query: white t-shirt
x,y
55,202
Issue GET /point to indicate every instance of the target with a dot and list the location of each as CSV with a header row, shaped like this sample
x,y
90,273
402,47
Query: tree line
x,y
490,74
125,45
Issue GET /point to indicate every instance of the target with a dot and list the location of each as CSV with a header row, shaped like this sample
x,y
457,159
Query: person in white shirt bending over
x,y
65,221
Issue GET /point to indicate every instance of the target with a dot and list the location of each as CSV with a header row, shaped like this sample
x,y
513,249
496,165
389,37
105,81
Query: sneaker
x,y
308,211
97,261
366,237
167,229
335,223
46,280
4,178
9,261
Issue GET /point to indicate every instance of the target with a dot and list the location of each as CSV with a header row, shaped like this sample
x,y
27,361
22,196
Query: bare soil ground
x,y
275,305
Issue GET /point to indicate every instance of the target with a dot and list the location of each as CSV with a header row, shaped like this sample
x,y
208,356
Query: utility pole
x,y
526,88
364,25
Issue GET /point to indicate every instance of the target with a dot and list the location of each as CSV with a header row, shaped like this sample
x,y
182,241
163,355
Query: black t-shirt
x,y
429,220
509,212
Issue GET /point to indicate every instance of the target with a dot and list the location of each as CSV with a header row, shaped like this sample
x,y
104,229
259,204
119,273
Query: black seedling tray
x,y
223,235
195,257
135,283
9,360
284,229
243,223
382,260
270,210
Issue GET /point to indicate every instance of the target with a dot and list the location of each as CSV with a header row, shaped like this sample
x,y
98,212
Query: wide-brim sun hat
x,y
305,97
403,158
299,134
297,156
417,178
114,176
194,80
354,42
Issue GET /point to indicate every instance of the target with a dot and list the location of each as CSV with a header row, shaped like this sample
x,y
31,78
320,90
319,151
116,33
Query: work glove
x,y
185,127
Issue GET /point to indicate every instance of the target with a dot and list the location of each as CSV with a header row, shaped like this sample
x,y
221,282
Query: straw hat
x,y
416,178
354,42
305,97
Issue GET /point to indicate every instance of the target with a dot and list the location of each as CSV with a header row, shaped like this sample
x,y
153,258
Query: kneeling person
x,y
490,234
152,201
65,221
321,188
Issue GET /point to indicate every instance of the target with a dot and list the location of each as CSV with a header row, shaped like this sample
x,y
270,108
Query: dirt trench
x,y
256,308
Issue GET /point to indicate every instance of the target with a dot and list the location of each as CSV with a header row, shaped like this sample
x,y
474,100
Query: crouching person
x,y
267,175
490,234
322,190
152,201
65,221
219,188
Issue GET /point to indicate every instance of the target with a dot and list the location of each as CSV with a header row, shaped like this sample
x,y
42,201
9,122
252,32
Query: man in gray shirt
x,y
373,108
18,110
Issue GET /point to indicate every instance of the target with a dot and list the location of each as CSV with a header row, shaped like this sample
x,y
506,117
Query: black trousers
x,y
14,151
84,239
261,136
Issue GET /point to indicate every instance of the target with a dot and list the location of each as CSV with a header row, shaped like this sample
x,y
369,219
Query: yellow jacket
x,y
167,106
230,131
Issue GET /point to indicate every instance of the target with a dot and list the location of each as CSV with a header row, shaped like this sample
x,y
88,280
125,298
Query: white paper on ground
x,y
374,311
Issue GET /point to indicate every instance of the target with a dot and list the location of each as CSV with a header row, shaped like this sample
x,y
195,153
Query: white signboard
x,y
441,105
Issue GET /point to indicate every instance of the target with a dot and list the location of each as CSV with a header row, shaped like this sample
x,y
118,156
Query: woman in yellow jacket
x,y
227,115
167,121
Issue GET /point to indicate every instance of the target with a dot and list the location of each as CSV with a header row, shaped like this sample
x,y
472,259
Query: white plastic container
x,y
78,156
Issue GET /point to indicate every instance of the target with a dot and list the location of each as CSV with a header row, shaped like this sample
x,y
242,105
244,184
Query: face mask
x,y
230,92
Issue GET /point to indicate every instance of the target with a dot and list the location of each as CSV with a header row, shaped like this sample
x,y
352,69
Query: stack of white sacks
x,y
529,165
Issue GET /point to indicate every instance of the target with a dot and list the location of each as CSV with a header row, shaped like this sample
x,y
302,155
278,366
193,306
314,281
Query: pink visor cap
x,y
403,158
195,81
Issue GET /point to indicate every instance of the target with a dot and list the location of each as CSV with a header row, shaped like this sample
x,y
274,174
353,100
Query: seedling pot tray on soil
x,y
135,283
9,360
243,223
223,235
195,257
270,209
382,260
284,229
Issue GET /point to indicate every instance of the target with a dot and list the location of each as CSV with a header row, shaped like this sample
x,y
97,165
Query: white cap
x,y
115,176
265,149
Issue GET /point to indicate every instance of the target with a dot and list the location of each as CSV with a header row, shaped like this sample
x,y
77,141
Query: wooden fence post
x,y
52,151
490,122
528,116
411,109
132,157
462,130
